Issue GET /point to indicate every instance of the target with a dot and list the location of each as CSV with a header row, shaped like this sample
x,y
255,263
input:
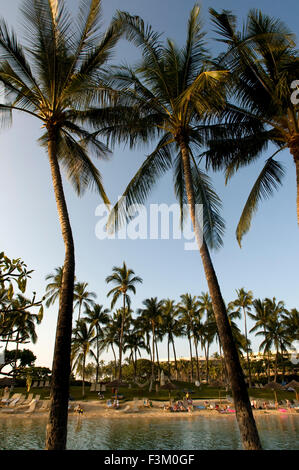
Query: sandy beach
x,y
93,409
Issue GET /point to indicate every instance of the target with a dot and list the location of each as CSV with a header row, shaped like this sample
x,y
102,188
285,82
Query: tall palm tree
x,y
83,297
189,311
134,342
244,302
54,79
261,317
111,335
125,281
170,96
54,286
208,329
172,328
263,62
152,312
275,333
98,317
81,346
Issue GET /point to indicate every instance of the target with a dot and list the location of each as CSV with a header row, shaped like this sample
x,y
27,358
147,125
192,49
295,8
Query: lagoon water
x,y
196,433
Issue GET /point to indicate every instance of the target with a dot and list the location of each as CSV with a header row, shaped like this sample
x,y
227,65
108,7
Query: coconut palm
x,y
244,302
98,317
172,328
152,312
275,333
169,96
81,346
125,281
261,317
206,330
55,78
134,342
54,286
111,337
82,297
263,62
188,310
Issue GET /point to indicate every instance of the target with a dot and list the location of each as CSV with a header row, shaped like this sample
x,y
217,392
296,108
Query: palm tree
x,y
169,96
124,281
244,302
263,63
54,286
186,325
83,297
21,323
275,333
54,79
111,334
134,342
208,329
172,328
81,344
97,317
153,314
261,318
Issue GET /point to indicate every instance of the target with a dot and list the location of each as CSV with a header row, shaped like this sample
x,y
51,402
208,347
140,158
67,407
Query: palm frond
x,y
268,180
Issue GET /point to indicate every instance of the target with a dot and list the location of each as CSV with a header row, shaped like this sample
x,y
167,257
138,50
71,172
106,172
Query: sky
x,y
267,262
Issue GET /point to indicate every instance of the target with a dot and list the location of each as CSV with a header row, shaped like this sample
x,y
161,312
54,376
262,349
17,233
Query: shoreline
x,y
96,409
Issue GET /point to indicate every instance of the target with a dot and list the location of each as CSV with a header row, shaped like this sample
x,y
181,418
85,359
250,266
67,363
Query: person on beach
x,y
78,409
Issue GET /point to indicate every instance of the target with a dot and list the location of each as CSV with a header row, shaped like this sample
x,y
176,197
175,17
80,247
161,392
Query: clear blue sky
x,y
267,263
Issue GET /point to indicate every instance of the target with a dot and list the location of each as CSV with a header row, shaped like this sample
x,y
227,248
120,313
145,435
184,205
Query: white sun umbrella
x,y
162,379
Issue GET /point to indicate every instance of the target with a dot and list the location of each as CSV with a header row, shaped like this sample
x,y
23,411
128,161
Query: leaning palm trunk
x,y
57,422
247,426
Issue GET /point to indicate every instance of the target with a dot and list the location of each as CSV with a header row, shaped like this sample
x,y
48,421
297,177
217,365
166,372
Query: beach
x,y
96,408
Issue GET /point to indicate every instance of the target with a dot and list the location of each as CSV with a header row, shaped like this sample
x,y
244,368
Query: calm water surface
x,y
276,432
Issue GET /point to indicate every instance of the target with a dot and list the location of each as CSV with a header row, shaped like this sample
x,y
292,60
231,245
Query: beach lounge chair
x,y
10,408
98,387
32,406
35,384
45,405
47,383
28,399
92,387
14,399
41,384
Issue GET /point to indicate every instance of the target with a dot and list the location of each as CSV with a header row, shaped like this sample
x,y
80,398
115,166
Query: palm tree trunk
x,y
168,357
244,415
98,355
190,347
61,368
121,338
115,365
83,375
197,362
248,361
294,149
175,360
153,360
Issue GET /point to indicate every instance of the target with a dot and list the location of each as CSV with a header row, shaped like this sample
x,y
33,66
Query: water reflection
x,y
276,432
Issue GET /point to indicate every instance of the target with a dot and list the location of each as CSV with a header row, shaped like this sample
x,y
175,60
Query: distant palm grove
x,y
197,114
